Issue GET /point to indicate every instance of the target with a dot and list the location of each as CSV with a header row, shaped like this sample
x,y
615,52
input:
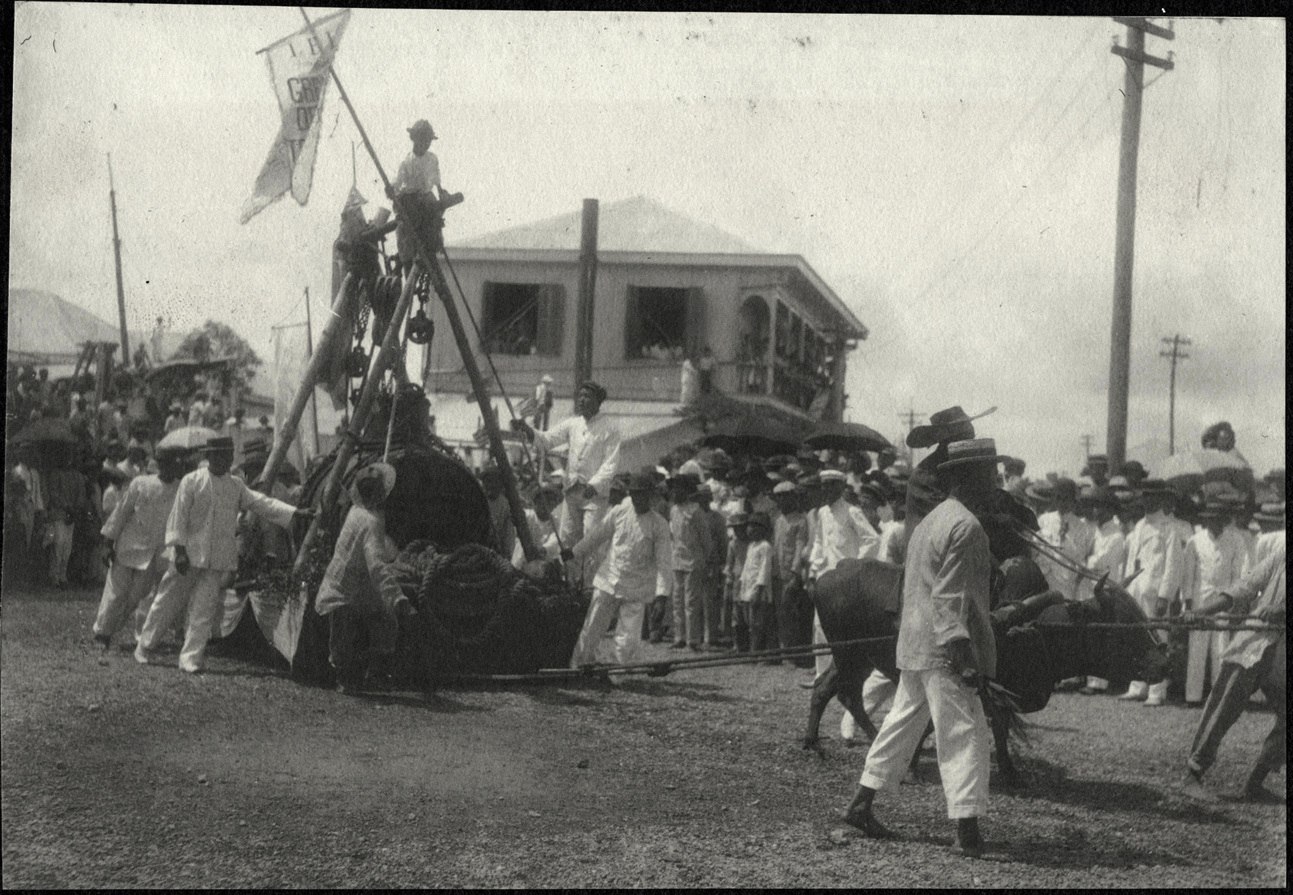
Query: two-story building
x,y
668,289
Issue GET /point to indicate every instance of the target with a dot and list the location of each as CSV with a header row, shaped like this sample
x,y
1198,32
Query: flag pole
x,y
426,259
309,353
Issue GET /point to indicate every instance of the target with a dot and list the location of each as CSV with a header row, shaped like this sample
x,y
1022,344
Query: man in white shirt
x,y
839,531
637,566
1270,522
1069,533
592,455
1108,555
198,410
1154,550
417,183
136,540
202,531
1214,559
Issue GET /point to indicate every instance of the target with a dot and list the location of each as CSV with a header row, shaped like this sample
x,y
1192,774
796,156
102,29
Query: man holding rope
x,y
1255,659
591,459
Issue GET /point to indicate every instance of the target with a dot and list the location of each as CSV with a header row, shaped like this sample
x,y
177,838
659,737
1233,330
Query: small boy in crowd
x,y
754,598
737,543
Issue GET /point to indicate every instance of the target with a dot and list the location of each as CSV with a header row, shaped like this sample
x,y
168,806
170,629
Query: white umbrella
x,y
187,437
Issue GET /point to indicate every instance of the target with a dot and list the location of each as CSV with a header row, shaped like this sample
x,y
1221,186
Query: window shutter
x,y
632,326
696,336
552,320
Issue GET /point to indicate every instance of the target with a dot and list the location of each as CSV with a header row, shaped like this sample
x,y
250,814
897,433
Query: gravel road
x,y
119,775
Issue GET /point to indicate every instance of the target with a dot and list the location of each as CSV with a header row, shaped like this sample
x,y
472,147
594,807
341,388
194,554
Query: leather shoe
x,y
1130,696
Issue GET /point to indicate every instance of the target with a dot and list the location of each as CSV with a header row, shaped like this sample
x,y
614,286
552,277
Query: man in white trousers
x,y
1214,559
638,566
201,530
945,649
136,539
1154,549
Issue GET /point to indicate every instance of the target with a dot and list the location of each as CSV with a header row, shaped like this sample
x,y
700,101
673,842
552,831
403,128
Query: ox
x,y
862,599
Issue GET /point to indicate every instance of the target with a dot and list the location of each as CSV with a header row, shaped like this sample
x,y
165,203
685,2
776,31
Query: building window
x,y
661,323
523,318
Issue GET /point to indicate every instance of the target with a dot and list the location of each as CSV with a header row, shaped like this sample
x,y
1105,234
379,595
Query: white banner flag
x,y
291,357
298,69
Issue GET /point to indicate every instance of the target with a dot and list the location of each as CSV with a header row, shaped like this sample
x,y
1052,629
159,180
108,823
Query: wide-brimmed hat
x,y
1064,489
808,479
760,520
1154,486
971,451
639,482
832,475
219,443
1270,512
1099,497
702,492
784,488
737,519
945,425
546,378
1214,509
422,126
1041,491
1134,470
873,490
383,472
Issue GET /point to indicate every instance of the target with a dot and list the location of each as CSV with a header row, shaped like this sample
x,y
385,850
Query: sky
x,y
954,179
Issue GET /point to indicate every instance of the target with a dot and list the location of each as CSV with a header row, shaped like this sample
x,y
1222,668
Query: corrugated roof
x,y
639,224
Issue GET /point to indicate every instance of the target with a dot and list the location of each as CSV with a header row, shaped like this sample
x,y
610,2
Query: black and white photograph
x,y
570,449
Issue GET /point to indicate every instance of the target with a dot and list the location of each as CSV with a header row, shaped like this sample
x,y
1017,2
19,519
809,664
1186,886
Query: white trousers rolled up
x,y
961,738
628,633
199,592
127,591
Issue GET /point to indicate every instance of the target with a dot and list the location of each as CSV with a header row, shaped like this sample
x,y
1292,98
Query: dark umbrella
x,y
1190,469
846,437
47,429
762,435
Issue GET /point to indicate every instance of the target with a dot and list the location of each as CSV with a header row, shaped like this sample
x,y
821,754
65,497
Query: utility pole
x,y
1124,252
1086,446
309,353
909,418
1174,355
587,290
116,254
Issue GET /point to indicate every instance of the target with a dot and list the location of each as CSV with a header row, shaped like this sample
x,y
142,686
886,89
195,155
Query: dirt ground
x,y
119,775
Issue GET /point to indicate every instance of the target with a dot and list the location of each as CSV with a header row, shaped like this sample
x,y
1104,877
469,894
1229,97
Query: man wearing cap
x,y
1068,533
945,650
636,568
1153,550
592,456
1270,522
417,185
1212,561
1108,555
840,531
202,529
135,536
1254,660
359,592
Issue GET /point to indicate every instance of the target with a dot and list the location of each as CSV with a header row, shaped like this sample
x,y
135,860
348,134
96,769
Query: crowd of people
x,y
706,551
